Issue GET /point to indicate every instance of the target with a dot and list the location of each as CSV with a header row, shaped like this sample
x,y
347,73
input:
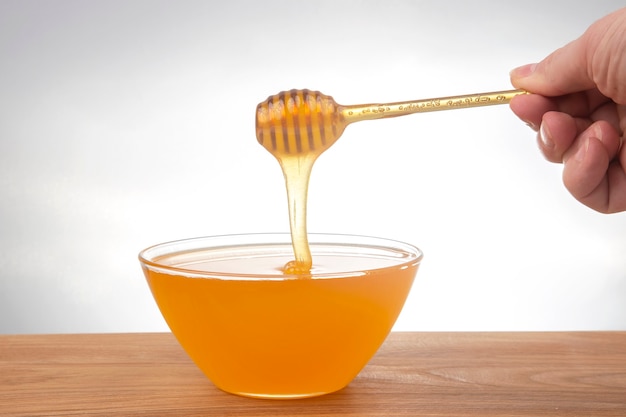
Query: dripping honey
x,y
296,127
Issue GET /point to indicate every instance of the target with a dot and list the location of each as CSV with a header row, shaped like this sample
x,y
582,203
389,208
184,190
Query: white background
x,y
128,123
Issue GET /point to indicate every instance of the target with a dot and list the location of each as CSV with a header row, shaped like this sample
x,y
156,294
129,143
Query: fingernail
x,y
546,137
532,125
582,151
523,71
596,134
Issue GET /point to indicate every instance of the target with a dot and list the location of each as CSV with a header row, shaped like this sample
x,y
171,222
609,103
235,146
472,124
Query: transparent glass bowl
x,y
257,332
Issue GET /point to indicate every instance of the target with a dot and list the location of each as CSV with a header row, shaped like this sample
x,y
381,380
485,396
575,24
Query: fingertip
x,y
520,109
545,136
526,77
607,136
586,169
530,108
582,151
522,72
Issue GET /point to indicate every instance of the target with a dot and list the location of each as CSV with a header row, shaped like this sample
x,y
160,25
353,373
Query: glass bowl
x,y
257,332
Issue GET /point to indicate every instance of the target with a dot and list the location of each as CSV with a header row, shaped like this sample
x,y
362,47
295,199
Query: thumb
x,y
595,60
562,72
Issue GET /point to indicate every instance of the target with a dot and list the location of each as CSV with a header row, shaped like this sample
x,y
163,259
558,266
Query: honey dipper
x,y
299,122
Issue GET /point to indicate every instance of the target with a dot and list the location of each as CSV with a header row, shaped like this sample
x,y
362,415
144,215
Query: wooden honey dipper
x,y
298,122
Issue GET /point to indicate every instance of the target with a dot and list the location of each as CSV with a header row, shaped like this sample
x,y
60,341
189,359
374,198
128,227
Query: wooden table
x,y
414,374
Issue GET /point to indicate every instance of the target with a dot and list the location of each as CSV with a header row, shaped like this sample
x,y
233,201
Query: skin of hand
x,y
577,104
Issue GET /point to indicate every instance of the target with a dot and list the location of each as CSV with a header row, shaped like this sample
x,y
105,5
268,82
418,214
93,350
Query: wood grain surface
x,y
414,374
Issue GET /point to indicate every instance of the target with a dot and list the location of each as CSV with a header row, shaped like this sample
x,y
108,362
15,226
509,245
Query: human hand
x,y
578,107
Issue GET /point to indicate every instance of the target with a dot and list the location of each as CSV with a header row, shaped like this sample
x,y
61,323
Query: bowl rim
x,y
147,256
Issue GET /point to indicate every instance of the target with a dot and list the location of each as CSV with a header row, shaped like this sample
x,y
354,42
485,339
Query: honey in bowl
x,y
257,332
